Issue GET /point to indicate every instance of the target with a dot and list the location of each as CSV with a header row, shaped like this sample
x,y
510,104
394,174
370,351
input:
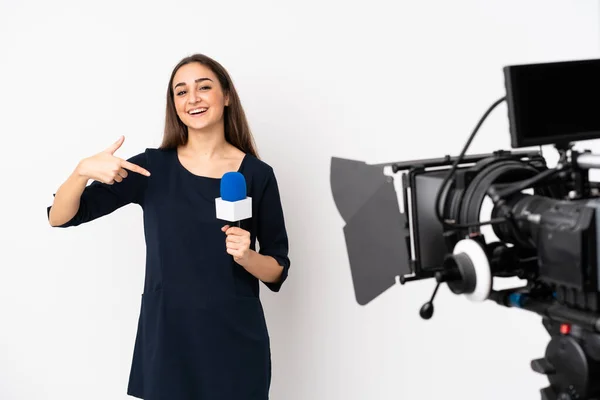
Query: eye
x,y
205,88
180,92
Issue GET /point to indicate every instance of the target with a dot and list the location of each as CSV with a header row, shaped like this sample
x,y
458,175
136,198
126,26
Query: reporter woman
x,y
202,333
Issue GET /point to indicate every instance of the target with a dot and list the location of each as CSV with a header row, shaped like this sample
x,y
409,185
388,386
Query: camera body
x,y
548,236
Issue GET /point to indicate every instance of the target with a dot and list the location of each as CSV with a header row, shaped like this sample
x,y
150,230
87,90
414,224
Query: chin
x,y
198,126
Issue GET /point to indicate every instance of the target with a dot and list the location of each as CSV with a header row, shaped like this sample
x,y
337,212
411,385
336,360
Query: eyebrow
x,y
197,81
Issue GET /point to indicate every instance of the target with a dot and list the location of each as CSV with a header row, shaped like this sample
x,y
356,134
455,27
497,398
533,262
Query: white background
x,y
378,81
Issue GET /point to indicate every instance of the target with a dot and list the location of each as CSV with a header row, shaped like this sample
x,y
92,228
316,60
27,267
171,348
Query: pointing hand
x,y
105,167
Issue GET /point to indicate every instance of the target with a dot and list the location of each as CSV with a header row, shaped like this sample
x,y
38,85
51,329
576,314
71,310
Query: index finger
x,y
234,230
135,168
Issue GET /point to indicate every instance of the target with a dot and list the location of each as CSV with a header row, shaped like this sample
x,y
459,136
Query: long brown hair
x,y
237,130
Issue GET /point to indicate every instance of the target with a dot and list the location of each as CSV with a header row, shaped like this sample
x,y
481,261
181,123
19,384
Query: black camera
x,y
543,225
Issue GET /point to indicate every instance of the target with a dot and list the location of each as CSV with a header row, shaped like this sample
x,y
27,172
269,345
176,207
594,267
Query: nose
x,y
193,98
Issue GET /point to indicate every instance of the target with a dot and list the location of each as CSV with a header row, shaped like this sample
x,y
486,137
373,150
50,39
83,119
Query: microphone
x,y
233,205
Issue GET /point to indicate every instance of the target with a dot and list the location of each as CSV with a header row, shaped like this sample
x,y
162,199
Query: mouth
x,y
195,112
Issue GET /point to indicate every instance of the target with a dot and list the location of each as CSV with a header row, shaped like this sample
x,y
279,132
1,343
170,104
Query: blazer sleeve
x,y
99,199
271,231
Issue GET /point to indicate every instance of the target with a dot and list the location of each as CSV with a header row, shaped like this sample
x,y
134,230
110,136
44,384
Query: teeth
x,y
198,110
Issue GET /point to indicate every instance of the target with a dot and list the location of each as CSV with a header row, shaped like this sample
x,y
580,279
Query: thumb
x,y
224,229
115,146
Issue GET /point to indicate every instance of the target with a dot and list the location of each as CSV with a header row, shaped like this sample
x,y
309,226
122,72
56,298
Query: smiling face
x,y
198,97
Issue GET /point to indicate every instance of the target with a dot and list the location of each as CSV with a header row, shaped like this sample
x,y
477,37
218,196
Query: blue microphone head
x,y
233,186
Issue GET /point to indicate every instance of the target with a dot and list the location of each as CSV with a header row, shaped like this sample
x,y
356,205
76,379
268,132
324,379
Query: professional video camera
x,y
546,220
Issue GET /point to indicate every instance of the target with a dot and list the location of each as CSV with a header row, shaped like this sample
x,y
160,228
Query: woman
x,y
201,332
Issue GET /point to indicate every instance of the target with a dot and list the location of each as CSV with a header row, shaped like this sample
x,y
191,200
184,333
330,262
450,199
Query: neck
x,y
207,143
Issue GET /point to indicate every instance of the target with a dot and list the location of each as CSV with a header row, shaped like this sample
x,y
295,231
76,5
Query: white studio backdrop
x,y
380,81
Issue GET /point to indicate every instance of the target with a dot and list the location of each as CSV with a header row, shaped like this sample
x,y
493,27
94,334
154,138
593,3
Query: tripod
x,y
572,359
571,362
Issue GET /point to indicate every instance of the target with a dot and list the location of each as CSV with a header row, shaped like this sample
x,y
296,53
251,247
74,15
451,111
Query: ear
x,y
226,99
